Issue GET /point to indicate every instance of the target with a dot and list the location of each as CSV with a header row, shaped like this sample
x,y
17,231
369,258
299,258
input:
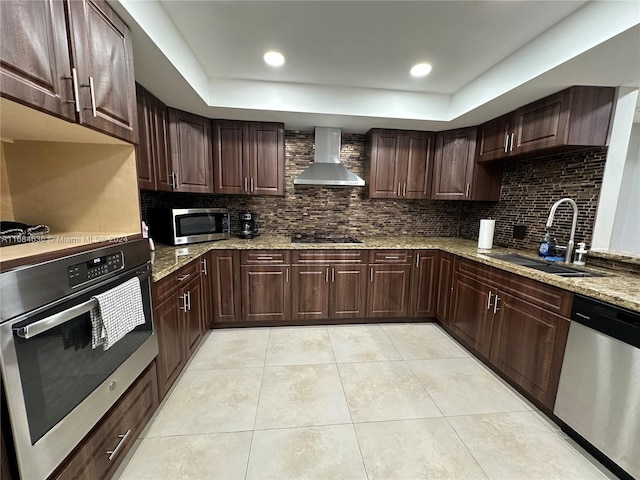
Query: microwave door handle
x,y
41,326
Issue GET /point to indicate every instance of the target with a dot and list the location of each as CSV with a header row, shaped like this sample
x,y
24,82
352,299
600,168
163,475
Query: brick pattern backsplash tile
x,y
529,189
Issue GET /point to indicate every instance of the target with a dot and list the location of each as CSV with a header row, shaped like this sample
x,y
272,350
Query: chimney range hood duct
x,y
326,169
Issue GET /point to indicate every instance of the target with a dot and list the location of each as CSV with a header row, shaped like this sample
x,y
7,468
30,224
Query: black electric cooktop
x,y
323,237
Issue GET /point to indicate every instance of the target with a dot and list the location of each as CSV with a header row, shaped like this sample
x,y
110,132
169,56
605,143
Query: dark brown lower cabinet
x,y
224,286
528,346
444,286
472,312
96,457
423,295
178,315
388,290
328,291
265,292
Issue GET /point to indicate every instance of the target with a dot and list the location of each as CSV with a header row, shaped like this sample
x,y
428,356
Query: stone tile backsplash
x,y
529,189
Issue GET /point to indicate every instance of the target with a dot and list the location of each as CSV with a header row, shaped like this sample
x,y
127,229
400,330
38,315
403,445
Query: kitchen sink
x,y
561,270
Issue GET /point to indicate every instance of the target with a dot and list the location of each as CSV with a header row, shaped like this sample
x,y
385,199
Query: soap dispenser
x,y
581,254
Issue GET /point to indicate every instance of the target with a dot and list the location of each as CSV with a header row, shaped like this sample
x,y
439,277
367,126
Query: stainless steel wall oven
x,y
57,386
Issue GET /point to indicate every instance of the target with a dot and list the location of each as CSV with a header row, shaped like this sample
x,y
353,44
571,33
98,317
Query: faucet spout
x,y
569,253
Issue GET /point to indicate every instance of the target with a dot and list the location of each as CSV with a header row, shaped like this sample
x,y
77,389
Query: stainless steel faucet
x,y
569,252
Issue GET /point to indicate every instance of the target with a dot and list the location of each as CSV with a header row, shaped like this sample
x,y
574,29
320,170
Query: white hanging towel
x,y
118,311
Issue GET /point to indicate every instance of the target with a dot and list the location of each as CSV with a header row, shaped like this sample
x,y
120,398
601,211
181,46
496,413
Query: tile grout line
x,y
467,448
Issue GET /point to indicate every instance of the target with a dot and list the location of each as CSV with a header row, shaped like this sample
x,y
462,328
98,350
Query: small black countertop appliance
x,y
248,227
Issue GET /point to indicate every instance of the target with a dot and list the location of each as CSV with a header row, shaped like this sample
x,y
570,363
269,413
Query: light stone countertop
x,y
618,287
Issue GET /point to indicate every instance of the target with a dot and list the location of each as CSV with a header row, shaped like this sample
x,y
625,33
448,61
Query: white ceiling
x,y
348,61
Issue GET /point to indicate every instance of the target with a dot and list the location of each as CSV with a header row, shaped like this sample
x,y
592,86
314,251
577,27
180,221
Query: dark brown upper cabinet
x,y
191,158
248,158
94,85
152,153
573,118
399,163
456,175
35,66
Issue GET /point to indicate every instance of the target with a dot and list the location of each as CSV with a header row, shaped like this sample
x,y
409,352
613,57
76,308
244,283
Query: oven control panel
x,y
95,268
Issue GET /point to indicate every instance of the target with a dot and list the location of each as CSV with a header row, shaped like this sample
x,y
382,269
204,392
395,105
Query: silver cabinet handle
x,y
189,300
371,274
183,307
114,452
495,304
92,92
417,259
511,142
76,90
204,267
326,276
264,258
489,300
183,277
404,190
506,143
333,274
468,188
398,192
287,275
174,179
391,258
246,184
251,184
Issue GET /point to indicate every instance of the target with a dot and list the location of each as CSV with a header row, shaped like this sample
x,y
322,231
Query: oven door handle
x,y
41,326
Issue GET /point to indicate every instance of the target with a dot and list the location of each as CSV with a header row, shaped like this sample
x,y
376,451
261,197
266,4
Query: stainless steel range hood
x,y
326,169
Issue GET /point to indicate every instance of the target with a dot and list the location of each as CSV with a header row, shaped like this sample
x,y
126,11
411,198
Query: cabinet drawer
x,y
480,272
328,256
128,417
164,288
264,257
390,256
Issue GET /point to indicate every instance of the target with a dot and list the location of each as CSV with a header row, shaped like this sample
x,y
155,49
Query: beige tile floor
x,y
390,401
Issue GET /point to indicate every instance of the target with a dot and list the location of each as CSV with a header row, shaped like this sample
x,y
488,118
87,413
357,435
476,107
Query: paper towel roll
x,y
485,236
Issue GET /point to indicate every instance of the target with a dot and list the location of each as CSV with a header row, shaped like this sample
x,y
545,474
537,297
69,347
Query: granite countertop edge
x,y
619,288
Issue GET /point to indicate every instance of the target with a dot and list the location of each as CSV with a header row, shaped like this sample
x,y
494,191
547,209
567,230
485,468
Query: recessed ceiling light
x,y
275,59
420,69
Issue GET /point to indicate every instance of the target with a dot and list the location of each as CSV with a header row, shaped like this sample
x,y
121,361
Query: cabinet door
x,y
388,291
103,57
528,346
225,286
542,124
191,152
193,316
144,149
230,171
493,138
348,295
310,292
171,356
386,167
472,312
161,154
418,153
266,159
423,283
445,279
35,67
265,292
453,164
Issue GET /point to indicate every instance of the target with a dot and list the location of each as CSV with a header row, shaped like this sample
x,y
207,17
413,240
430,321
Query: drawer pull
x,y
392,258
114,452
183,277
265,258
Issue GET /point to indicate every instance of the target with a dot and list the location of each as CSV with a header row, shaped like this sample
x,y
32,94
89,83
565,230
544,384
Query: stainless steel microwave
x,y
181,226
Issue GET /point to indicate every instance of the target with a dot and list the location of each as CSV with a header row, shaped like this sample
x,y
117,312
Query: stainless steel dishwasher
x,y
599,392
